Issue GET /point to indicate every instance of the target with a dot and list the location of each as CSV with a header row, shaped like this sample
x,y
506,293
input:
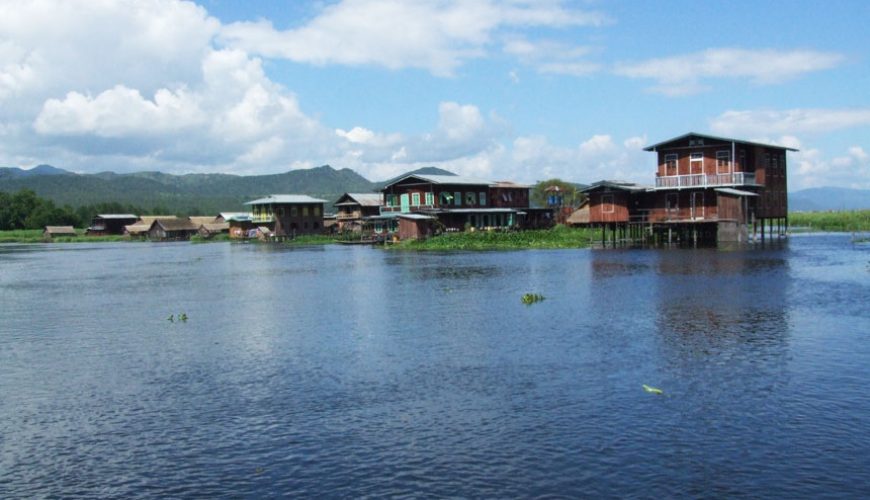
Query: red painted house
x,y
703,184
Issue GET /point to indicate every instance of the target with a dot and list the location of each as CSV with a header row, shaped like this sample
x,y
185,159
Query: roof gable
x,y
285,199
695,135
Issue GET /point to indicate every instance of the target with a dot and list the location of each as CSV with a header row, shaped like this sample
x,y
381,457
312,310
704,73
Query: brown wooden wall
x,y
608,206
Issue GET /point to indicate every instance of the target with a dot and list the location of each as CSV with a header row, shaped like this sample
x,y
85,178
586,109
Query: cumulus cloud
x,y
596,158
754,123
689,73
434,36
548,56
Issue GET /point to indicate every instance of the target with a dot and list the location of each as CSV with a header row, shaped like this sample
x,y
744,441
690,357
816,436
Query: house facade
x,y
714,186
355,208
103,224
288,215
457,202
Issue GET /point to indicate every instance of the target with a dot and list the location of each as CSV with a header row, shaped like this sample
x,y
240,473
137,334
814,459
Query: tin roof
x,y
715,138
117,216
444,179
735,192
60,230
413,216
362,199
612,184
285,198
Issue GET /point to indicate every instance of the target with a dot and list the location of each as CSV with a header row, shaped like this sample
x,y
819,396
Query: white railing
x,y
705,180
262,218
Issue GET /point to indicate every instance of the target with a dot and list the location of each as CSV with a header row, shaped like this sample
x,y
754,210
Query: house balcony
x,y
409,208
705,180
348,216
262,218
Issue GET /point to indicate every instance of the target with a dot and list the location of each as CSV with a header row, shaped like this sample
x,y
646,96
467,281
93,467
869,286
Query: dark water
x,y
348,372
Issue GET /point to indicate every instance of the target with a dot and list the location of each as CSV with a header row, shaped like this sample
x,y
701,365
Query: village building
x,y
456,202
288,215
103,224
172,229
54,231
210,230
354,208
239,224
707,188
141,227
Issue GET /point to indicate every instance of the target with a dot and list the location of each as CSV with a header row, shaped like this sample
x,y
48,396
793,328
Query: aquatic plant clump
x,y
531,298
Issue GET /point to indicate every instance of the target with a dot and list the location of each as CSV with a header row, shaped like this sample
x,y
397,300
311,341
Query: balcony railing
x,y
257,218
706,180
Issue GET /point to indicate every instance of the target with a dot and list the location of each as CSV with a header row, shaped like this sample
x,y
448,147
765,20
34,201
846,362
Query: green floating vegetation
x,y
554,238
531,298
36,236
652,390
842,221
181,317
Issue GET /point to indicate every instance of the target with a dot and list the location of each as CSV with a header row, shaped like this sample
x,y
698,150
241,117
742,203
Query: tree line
x,y
25,210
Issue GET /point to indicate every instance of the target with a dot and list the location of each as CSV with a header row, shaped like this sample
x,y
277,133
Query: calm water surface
x,y
348,372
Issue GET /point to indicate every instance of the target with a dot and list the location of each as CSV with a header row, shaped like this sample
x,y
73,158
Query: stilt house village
x,y
704,189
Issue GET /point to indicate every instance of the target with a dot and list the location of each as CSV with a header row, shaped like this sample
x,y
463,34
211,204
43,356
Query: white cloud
x,y
754,123
118,112
548,56
685,74
434,36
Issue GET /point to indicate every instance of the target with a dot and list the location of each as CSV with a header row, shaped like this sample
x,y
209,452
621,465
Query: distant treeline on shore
x,y
25,210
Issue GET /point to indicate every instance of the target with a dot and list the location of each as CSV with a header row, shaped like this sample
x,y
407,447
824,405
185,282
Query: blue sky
x,y
520,90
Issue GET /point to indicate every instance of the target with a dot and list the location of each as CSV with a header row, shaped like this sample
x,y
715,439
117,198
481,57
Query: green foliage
x,y
192,194
311,239
25,210
571,197
531,298
853,220
556,237
36,236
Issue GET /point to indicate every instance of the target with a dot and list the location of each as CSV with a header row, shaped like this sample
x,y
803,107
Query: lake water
x,y
351,371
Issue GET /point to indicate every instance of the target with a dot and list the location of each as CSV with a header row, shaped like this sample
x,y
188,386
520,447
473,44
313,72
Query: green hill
x,y
183,194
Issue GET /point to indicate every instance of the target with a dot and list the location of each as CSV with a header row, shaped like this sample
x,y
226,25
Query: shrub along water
x,y
852,220
557,237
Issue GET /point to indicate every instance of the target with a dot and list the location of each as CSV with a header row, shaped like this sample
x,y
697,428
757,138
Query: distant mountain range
x,y
212,193
190,193
828,198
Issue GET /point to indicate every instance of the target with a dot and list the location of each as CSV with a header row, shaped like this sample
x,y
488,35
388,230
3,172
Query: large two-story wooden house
x,y
710,187
288,215
457,202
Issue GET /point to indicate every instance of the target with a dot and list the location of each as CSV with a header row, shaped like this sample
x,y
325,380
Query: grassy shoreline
x,y
844,221
555,238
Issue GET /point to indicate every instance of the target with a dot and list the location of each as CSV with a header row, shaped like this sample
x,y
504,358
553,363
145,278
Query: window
x,y
671,202
305,224
281,211
774,166
316,212
430,199
294,211
457,198
723,162
305,214
671,164
696,163
482,198
607,203
470,199
415,199
444,198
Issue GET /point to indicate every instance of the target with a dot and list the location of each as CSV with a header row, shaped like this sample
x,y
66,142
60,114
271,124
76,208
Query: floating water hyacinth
x,y
531,298
652,390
